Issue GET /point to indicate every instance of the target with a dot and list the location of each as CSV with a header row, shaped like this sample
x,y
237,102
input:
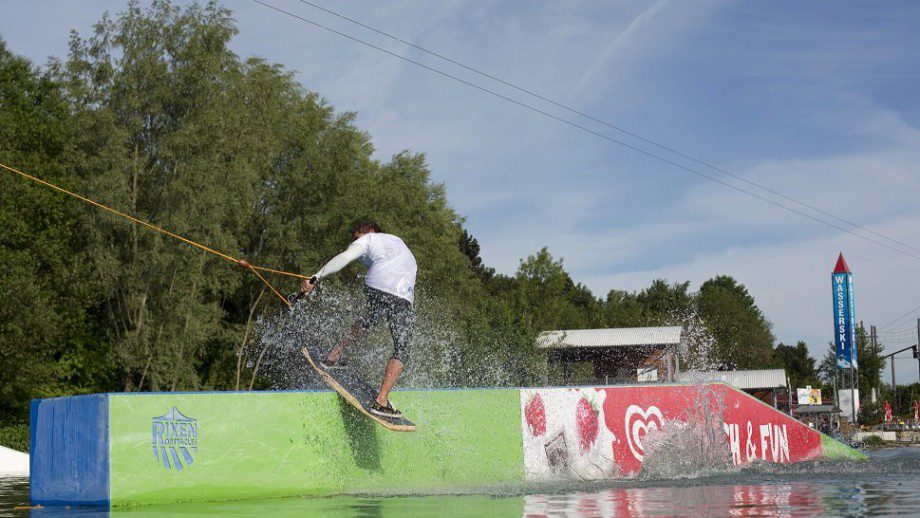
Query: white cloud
x,y
618,42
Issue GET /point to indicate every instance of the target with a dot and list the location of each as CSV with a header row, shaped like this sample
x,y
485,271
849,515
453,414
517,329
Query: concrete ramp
x,y
121,449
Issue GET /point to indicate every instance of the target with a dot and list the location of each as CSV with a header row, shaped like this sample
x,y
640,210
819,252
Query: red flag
x,y
887,412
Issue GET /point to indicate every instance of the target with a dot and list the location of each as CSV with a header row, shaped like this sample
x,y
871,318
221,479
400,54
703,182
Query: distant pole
x,y
853,381
853,392
894,386
873,339
855,344
873,346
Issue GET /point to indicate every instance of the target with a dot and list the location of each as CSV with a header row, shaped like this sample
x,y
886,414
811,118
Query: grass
x,y
15,436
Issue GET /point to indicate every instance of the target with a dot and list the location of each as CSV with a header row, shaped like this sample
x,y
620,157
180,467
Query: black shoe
x,y
333,366
385,411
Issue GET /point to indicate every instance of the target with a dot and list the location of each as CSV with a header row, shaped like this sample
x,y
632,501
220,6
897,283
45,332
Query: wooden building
x,y
615,356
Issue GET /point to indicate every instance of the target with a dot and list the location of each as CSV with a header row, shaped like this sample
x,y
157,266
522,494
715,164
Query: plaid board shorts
x,y
399,314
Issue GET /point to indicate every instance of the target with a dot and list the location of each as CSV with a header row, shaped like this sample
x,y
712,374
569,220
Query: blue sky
x,y
816,100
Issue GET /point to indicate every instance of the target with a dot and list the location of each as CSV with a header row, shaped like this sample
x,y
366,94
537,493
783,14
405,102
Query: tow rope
x,y
240,262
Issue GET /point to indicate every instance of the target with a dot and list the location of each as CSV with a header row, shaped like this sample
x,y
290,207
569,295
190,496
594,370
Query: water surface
x,y
886,485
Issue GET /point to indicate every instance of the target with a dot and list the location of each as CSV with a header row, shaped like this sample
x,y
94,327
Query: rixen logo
x,y
175,439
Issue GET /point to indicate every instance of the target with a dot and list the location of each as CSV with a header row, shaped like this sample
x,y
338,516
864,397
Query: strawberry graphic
x,y
536,416
586,423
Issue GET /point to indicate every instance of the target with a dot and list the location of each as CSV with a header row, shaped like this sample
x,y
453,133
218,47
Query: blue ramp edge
x,y
70,450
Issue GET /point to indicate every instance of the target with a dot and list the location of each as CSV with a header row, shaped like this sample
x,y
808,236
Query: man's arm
x,y
334,265
340,261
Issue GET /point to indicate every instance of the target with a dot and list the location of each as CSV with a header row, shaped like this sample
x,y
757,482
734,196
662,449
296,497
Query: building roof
x,y
617,337
816,409
754,379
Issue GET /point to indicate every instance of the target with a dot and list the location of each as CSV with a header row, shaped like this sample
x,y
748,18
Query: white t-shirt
x,y
390,265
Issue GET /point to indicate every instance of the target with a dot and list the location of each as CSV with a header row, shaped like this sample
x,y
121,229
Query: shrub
x,y
873,440
15,436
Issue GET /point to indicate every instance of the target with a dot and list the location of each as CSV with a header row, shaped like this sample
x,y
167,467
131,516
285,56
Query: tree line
x,y
153,114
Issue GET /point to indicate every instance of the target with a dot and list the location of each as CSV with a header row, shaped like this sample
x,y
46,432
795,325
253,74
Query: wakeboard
x,y
355,391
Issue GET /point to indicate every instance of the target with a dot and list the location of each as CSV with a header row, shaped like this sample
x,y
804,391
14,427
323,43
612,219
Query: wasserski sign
x,y
844,315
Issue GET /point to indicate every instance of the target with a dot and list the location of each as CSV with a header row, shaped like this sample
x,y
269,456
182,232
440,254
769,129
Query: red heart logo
x,y
638,423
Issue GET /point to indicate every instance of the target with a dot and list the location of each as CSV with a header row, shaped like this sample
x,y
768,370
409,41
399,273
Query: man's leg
x,y
354,335
394,369
401,320
372,313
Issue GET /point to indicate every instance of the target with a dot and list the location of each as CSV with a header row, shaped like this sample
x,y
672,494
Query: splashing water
x,y
692,448
697,343
439,356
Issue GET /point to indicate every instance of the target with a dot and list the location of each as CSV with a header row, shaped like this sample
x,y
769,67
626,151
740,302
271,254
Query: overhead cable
x,y
606,123
902,317
584,128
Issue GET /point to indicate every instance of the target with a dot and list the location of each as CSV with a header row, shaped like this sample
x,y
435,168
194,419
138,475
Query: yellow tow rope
x,y
241,262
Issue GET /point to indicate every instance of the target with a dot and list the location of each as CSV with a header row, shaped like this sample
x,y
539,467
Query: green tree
x,y
743,339
665,303
176,130
548,298
153,90
800,367
470,248
870,364
623,309
827,368
48,343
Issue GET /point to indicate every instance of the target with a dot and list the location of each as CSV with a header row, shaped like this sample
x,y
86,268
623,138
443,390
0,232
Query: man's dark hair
x,y
364,226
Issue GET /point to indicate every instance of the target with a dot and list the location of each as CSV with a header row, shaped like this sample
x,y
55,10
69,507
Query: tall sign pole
x,y
845,324
873,346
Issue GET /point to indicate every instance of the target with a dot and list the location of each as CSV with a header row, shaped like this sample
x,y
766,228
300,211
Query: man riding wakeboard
x,y
389,293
